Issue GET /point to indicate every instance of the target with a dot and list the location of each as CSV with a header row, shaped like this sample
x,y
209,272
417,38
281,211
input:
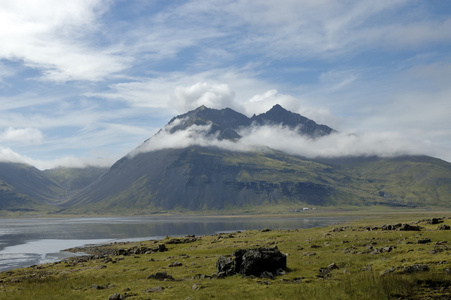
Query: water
x,y
26,242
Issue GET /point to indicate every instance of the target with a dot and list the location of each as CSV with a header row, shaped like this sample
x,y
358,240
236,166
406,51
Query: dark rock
x,y
116,296
252,262
160,276
388,271
266,274
407,227
99,287
256,261
333,266
175,264
415,268
443,227
225,266
424,241
434,221
162,248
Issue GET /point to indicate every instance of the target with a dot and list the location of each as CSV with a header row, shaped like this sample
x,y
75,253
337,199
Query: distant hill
x,y
27,189
206,177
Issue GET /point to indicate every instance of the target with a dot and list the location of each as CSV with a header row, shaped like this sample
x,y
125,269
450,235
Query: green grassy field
x,y
371,263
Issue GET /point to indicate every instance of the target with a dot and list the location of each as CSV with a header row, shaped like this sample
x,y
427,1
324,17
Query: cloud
x,y
52,36
213,96
281,138
10,156
26,136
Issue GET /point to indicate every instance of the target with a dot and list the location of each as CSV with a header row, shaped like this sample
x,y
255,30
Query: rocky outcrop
x,y
259,262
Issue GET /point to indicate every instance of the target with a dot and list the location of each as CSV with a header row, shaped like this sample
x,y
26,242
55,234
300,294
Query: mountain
x,y
226,123
25,188
195,177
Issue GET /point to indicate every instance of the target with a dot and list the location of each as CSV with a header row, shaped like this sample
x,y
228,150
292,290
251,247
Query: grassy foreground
x,y
362,260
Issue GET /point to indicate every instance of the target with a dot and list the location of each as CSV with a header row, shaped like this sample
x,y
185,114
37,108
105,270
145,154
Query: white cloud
x,y
51,36
384,144
10,156
329,28
26,136
213,96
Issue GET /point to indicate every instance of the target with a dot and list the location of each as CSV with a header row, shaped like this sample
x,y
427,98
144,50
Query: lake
x,y
30,241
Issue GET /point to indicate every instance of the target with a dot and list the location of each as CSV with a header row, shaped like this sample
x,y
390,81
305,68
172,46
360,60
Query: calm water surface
x,y
26,242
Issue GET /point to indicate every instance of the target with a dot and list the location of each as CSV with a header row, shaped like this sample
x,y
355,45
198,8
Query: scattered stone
x,y
424,241
99,287
407,227
333,266
160,276
196,287
201,276
175,264
415,268
388,271
116,296
156,289
434,221
188,239
443,227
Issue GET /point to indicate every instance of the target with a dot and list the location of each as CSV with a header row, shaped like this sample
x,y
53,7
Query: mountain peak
x,y
278,115
277,107
227,122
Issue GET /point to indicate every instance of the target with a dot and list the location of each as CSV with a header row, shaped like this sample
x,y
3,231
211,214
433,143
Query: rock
x,y
407,227
116,296
99,287
434,221
196,287
225,266
256,261
424,241
333,266
387,249
415,268
160,276
162,248
252,262
156,289
388,271
175,264
443,227
266,274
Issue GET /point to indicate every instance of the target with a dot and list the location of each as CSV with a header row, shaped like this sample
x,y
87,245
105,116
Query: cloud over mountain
x,y
283,138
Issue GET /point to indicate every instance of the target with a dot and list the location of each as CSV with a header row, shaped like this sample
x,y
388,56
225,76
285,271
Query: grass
x,y
350,247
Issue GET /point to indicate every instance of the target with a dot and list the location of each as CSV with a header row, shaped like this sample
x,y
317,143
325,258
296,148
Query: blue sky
x,y
86,81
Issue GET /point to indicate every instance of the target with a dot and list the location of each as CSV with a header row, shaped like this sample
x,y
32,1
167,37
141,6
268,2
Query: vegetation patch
x,y
374,258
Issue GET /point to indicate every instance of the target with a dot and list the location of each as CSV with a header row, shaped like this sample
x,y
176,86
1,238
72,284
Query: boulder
x,y
259,262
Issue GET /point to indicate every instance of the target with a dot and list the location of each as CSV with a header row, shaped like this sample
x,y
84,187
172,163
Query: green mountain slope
x,y
25,188
198,178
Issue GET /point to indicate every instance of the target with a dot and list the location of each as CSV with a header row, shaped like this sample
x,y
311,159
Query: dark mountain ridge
x,y
226,122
